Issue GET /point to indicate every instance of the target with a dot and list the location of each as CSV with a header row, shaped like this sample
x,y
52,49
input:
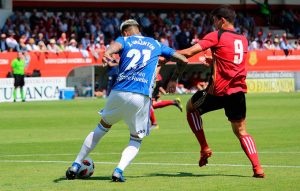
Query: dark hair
x,y
224,11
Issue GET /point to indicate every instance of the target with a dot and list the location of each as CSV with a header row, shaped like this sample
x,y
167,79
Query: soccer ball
x,y
87,168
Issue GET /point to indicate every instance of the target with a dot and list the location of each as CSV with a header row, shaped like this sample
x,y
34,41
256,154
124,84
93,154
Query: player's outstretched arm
x,y
108,58
181,62
189,52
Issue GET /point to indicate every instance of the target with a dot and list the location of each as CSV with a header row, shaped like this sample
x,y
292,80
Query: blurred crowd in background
x,y
92,31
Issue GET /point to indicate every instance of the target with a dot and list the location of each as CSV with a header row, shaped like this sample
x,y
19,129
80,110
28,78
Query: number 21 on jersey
x,y
238,51
136,54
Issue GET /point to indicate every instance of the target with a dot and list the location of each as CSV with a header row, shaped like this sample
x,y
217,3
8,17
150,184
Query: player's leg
x,y
235,110
196,107
92,140
22,94
128,154
111,114
195,122
154,124
88,145
165,103
16,85
22,83
137,119
249,147
15,93
162,103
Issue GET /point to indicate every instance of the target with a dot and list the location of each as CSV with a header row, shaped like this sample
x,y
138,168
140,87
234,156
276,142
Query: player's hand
x,y
108,60
162,61
171,87
208,61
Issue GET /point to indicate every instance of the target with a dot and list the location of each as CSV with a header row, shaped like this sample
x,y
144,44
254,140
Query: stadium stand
x,y
175,28
57,37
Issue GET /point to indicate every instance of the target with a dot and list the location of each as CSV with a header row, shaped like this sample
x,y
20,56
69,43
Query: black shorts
x,y
234,105
19,80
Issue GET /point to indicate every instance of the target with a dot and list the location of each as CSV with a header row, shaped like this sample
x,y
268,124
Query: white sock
x,y
90,142
129,153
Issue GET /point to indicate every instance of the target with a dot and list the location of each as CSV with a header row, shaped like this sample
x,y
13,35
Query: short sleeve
x,y
166,51
209,40
121,40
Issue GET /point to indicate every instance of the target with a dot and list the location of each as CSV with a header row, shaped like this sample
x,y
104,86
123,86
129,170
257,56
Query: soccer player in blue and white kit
x,y
130,98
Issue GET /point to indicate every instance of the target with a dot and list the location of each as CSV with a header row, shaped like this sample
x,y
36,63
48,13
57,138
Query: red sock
x,y
195,122
152,116
162,103
249,147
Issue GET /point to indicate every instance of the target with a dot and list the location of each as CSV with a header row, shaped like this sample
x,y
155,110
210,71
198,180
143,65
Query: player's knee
x,y
135,138
104,124
239,128
189,106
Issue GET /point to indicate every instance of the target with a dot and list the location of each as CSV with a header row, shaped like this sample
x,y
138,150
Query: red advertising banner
x,y
49,64
61,64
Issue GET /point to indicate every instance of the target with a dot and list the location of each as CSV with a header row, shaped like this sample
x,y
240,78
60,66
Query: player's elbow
x,y
188,54
179,58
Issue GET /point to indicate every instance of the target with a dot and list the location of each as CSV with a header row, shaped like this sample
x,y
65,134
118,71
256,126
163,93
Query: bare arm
x,y
181,62
162,90
189,52
107,58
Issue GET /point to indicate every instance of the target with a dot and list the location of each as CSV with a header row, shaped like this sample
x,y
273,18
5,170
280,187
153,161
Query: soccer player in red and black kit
x,y
228,87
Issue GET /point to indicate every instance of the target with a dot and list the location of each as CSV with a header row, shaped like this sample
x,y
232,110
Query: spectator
x,y
83,51
276,44
22,43
62,45
163,39
52,46
41,37
100,37
11,42
284,44
72,46
296,45
268,45
85,41
269,37
42,46
63,38
182,39
31,45
3,44
254,44
34,19
102,46
195,40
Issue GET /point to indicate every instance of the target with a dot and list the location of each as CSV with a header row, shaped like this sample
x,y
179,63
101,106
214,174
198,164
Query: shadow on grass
x,y
90,178
179,174
188,174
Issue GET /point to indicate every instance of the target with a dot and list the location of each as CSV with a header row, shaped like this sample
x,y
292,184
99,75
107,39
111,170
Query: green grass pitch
x,y
39,140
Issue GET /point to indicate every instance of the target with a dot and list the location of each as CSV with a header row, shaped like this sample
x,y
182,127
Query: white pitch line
x,y
141,153
151,163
